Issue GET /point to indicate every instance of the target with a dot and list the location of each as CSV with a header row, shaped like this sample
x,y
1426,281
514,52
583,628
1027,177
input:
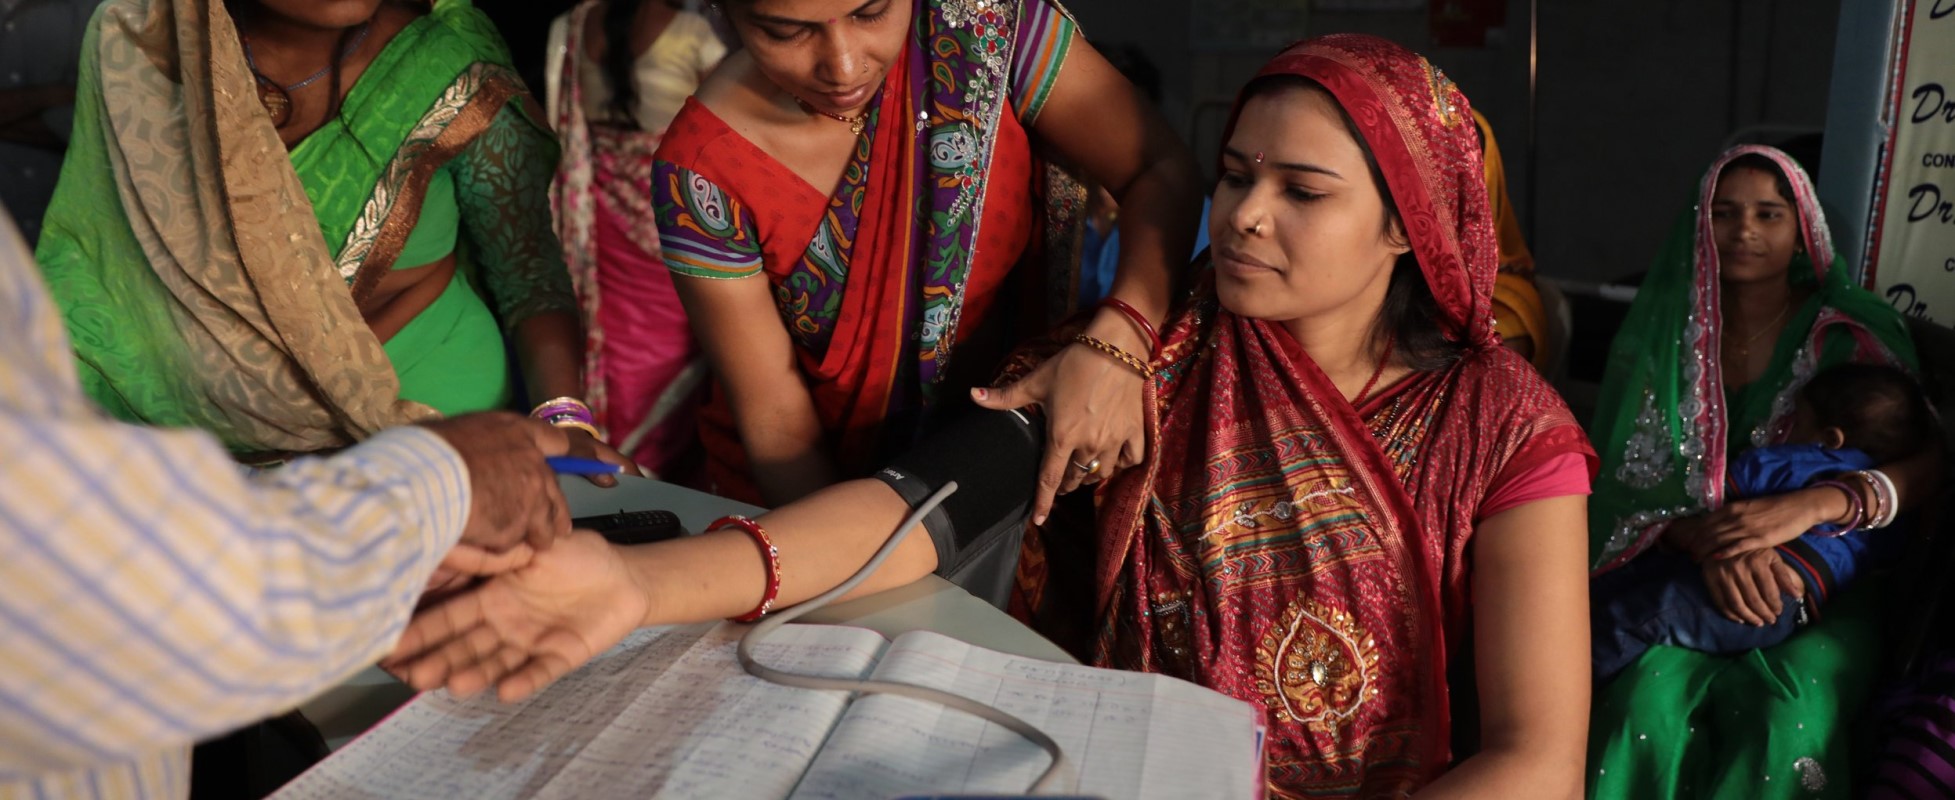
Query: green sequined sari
x,y
1768,723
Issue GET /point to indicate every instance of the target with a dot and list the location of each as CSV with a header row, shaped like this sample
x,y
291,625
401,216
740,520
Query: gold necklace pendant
x,y
857,124
277,103
1744,347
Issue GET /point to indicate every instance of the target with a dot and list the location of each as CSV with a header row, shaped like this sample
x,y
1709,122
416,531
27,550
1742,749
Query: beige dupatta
x,y
271,331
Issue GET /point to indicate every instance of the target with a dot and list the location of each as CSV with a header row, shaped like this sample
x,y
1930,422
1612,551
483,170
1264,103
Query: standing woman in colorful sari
x,y
618,72
284,222
1746,303
841,206
1351,492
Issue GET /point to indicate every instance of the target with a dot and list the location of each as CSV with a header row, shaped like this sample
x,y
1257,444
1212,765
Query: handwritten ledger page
x,y
1128,734
669,713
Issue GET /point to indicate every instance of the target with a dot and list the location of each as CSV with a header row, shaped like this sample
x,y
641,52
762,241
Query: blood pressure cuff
x,y
994,458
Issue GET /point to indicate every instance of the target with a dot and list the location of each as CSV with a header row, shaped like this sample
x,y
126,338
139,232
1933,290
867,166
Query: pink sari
x,y
644,391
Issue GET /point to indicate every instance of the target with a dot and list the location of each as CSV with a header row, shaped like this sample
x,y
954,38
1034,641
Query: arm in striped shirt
x,y
153,595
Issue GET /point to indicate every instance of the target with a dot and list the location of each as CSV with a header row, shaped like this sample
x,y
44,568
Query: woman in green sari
x,y
295,223
1746,303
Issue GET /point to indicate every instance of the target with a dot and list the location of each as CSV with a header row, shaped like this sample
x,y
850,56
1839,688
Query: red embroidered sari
x,y
1286,548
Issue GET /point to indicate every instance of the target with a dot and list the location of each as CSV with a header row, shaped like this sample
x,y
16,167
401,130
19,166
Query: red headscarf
x,y
1286,548
1420,129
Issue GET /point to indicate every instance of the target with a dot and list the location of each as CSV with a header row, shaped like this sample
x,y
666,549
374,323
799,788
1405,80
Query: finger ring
x,y
1089,467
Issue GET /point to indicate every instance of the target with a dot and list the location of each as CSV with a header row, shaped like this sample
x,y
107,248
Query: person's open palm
x,y
523,630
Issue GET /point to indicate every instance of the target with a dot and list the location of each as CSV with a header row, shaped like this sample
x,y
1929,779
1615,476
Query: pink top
x,y
1561,476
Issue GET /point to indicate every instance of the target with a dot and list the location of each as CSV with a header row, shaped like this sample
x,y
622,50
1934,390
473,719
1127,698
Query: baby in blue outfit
x,y
1849,417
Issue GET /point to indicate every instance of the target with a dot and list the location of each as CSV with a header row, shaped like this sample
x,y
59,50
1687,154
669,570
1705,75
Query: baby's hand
x,y
1689,535
1746,589
1789,580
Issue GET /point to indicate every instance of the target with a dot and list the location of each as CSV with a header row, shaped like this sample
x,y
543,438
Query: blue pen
x,y
572,465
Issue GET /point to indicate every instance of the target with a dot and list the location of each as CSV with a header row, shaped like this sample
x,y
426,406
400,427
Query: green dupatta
x,y
184,255
1666,424
434,152
430,95
206,284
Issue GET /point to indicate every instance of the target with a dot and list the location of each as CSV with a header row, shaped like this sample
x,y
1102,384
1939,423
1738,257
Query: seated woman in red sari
x,y
1351,489
840,207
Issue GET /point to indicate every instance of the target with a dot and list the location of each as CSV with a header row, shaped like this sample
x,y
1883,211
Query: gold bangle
x,y
582,426
1138,366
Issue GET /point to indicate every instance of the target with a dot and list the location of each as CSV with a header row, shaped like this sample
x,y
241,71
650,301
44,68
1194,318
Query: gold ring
x,y
1089,467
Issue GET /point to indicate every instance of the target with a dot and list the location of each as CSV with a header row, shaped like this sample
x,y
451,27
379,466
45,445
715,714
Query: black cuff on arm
x,y
994,458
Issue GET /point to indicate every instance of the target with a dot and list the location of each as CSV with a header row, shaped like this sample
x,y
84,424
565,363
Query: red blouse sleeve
x,y
1551,466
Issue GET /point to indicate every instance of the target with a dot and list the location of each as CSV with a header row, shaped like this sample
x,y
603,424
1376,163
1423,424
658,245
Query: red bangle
x,y
767,551
1140,321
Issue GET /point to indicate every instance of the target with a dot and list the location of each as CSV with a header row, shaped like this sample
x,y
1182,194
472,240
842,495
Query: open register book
x,y
669,713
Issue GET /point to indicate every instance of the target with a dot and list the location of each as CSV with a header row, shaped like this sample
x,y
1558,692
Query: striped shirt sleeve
x,y
155,595
1045,35
704,231
152,595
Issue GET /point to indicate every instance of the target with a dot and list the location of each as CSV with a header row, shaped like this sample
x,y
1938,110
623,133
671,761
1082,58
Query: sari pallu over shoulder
x,y
1286,548
1666,424
435,88
213,300
643,373
185,255
1311,557
882,281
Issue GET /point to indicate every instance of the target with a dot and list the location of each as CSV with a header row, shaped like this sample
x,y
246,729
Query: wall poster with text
x,y
1912,258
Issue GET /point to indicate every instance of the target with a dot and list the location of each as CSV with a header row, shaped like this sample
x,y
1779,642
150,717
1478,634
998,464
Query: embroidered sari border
x,y
464,110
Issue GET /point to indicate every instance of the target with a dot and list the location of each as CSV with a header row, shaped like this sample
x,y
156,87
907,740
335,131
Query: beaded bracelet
x,y
1856,508
1140,321
768,551
1138,366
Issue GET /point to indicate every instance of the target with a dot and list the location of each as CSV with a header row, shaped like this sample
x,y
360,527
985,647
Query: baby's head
x,y
1878,410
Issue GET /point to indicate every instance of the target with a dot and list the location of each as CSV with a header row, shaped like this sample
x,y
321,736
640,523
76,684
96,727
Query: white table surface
x,y
932,604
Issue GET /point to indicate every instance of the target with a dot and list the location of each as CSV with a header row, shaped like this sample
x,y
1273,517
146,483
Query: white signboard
x,y
1914,265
